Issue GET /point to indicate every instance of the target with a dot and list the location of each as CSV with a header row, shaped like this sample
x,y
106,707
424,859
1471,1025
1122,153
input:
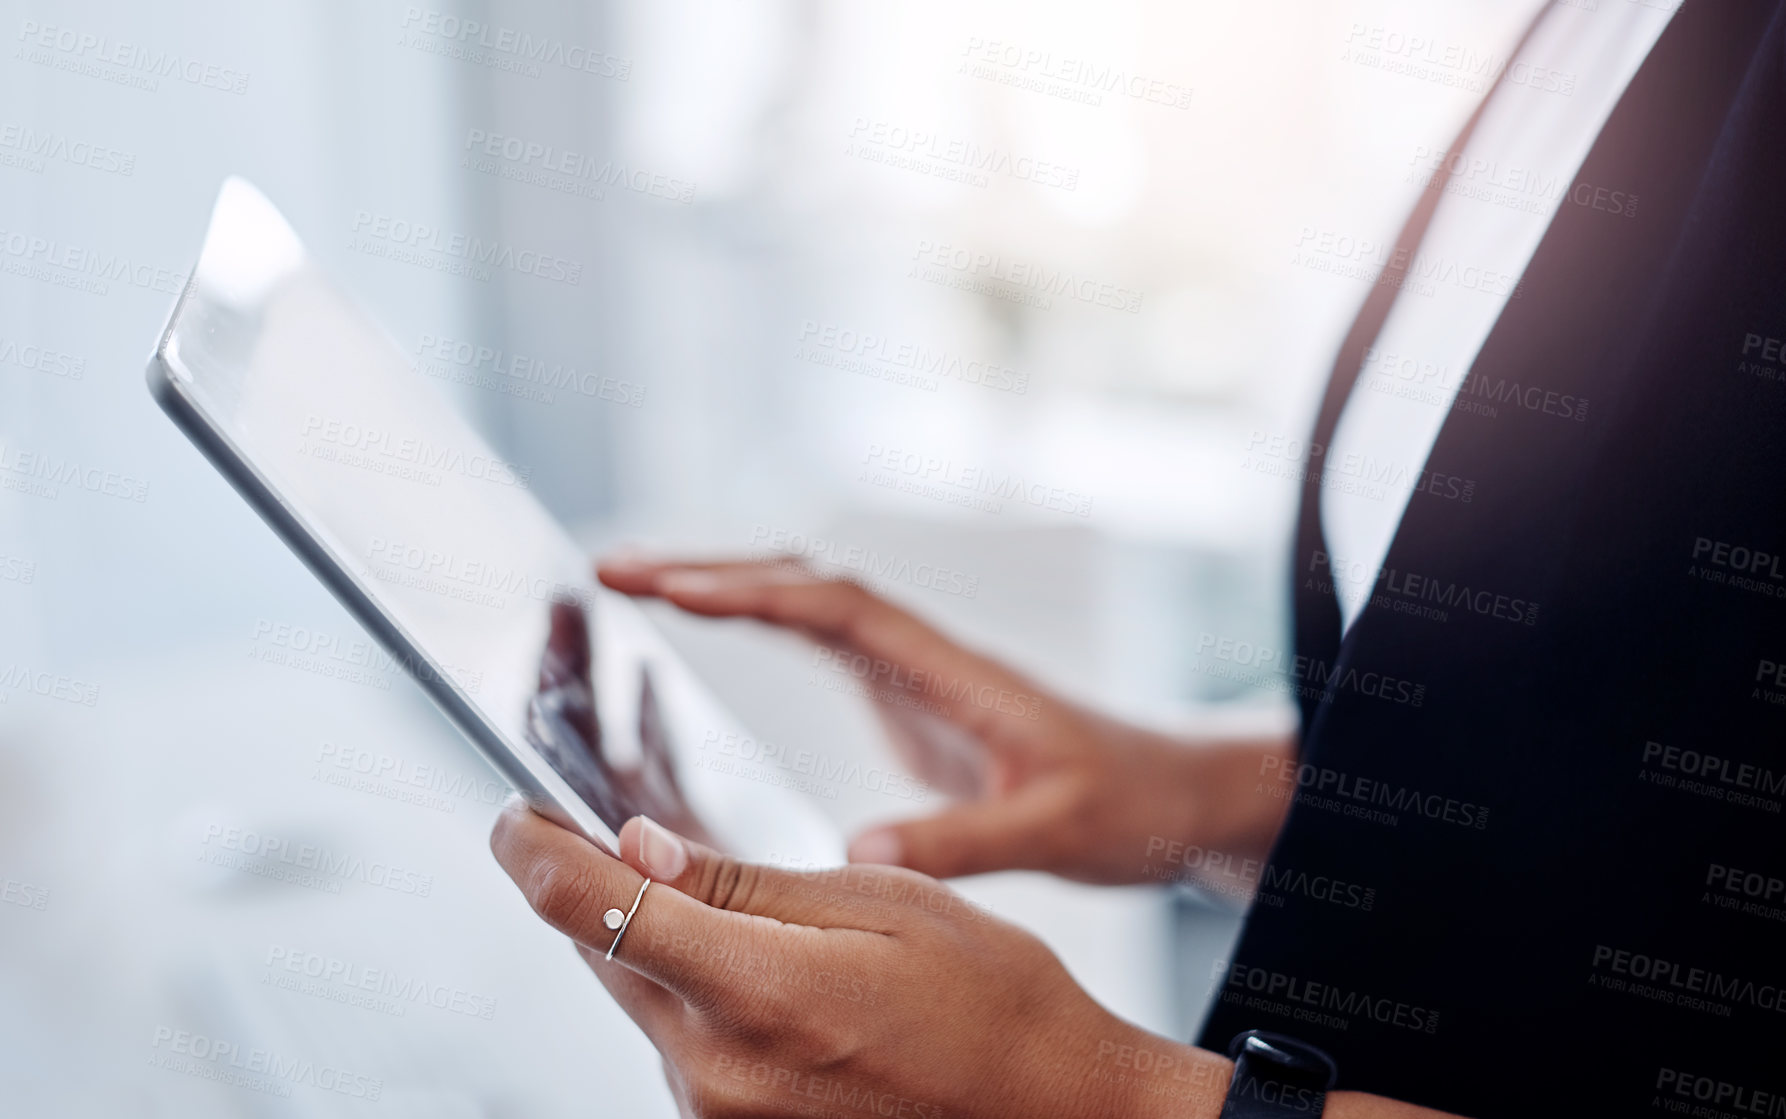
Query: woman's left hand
x,y
869,991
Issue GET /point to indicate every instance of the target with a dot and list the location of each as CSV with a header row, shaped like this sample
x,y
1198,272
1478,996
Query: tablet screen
x,y
478,590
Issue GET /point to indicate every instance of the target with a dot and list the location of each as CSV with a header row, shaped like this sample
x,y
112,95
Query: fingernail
x,y
661,850
513,800
687,582
880,847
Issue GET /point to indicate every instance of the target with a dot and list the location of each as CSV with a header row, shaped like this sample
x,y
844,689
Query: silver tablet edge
x,y
164,385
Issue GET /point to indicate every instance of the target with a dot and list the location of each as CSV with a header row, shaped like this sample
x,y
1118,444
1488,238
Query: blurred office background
x,y
774,182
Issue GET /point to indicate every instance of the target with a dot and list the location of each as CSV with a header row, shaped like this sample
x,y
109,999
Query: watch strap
x,y
1277,1076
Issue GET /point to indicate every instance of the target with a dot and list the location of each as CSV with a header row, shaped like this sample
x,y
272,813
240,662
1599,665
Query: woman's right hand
x,y
1045,784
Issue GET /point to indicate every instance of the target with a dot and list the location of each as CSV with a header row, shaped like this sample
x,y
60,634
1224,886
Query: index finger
x,y
901,659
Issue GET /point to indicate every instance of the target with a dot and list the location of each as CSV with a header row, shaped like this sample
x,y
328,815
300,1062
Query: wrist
x,y
1222,816
1243,784
1135,1074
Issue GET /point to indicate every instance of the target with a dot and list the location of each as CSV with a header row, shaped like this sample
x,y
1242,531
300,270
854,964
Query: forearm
x,y
1222,801
1241,800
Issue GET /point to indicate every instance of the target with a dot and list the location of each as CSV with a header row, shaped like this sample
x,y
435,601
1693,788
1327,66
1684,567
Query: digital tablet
x,y
437,545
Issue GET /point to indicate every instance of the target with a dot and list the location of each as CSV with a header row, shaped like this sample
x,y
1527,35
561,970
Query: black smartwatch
x,y
1277,1076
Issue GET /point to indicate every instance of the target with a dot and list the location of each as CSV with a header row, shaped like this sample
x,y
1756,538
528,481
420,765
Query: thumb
x,y
976,837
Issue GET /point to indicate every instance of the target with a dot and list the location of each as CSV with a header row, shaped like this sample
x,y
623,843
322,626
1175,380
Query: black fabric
x,y
1317,618
1527,838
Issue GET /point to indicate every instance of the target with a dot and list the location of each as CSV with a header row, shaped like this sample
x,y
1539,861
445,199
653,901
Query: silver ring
x,y
615,919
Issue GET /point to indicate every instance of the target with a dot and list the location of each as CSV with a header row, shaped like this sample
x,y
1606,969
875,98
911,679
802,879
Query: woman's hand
x,y
857,991
1048,785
